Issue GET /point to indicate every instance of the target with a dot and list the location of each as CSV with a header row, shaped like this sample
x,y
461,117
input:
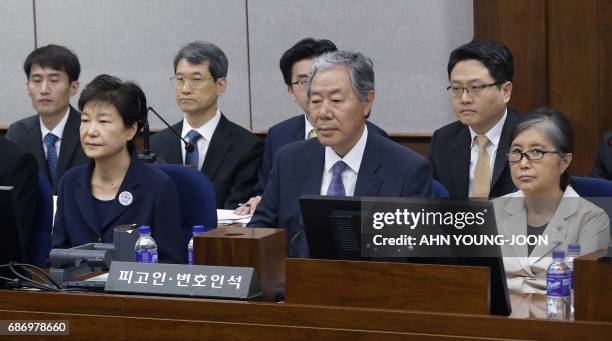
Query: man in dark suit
x,y
468,156
295,65
602,168
227,153
18,169
346,159
52,135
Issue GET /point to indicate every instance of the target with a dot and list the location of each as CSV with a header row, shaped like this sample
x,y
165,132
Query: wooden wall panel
x,y
562,57
605,63
521,26
573,73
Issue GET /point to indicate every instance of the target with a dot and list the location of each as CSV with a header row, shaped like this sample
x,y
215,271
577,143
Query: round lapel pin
x,y
125,198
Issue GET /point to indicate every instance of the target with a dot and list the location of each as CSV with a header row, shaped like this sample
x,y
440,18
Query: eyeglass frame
x,y
525,154
469,89
301,80
189,80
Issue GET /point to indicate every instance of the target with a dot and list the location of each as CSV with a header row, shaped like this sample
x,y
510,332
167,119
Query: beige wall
x,y
409,41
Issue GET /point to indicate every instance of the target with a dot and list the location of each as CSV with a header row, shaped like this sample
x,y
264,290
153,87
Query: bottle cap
x,y
144,229
198,229
573,248
558,254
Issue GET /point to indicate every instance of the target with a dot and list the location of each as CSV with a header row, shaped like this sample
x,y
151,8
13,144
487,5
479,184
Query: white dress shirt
x,y
352,160
206,131
57,131
307,127
494,134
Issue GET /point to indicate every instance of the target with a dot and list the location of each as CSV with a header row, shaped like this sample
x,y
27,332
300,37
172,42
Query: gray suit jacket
x,y
26,133
576,221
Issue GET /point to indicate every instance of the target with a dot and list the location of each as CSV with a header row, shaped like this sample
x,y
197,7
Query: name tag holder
x,y
228,282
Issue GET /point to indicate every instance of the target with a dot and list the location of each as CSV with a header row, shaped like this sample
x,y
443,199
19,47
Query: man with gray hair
x,y
345,159
227,153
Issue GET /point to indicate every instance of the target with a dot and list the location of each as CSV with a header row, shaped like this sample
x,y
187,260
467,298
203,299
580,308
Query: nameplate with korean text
x,y
183,280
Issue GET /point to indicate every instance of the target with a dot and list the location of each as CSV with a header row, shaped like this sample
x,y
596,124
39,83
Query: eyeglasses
x,y
535,154
194,82
302,82
474,90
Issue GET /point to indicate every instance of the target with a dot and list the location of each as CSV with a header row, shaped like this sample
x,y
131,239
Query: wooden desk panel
x,y
423,287
593,280
185,318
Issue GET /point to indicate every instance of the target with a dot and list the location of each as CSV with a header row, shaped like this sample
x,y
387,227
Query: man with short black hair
x,y
468,156
227,153
52,135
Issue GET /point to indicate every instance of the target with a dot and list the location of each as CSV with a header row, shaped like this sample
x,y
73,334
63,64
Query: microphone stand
x,y
146,155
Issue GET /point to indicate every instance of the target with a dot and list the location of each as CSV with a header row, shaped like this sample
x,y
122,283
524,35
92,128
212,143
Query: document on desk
x,y
229,217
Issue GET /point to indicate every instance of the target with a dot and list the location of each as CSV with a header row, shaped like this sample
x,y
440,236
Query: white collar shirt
x,y
206,131
494,135
58,131
353,161
307,127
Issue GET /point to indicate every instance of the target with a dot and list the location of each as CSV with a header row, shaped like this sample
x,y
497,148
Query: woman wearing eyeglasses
x,y
545,207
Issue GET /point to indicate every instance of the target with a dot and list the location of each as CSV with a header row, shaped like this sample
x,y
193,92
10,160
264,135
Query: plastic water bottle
x,y
557,288
197,229
573,251
146,248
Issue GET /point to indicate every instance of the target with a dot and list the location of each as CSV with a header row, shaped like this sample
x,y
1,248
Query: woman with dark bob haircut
x,y
115,188
545,205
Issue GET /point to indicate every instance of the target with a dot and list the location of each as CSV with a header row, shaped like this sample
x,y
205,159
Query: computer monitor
x,y
9,242
333,231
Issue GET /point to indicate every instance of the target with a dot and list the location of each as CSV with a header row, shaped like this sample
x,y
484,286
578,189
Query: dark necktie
x,y
50,140
191,159
336,187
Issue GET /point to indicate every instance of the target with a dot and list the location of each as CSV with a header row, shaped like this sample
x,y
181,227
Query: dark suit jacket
x,y
283,133
18,169
449,155
231,162
26,133
603,159
155,203
387,169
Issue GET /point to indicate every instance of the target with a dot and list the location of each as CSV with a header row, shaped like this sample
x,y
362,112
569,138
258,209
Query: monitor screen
x,y
333,231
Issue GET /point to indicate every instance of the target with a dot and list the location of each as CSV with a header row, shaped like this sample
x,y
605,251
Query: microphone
x,y
189,147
